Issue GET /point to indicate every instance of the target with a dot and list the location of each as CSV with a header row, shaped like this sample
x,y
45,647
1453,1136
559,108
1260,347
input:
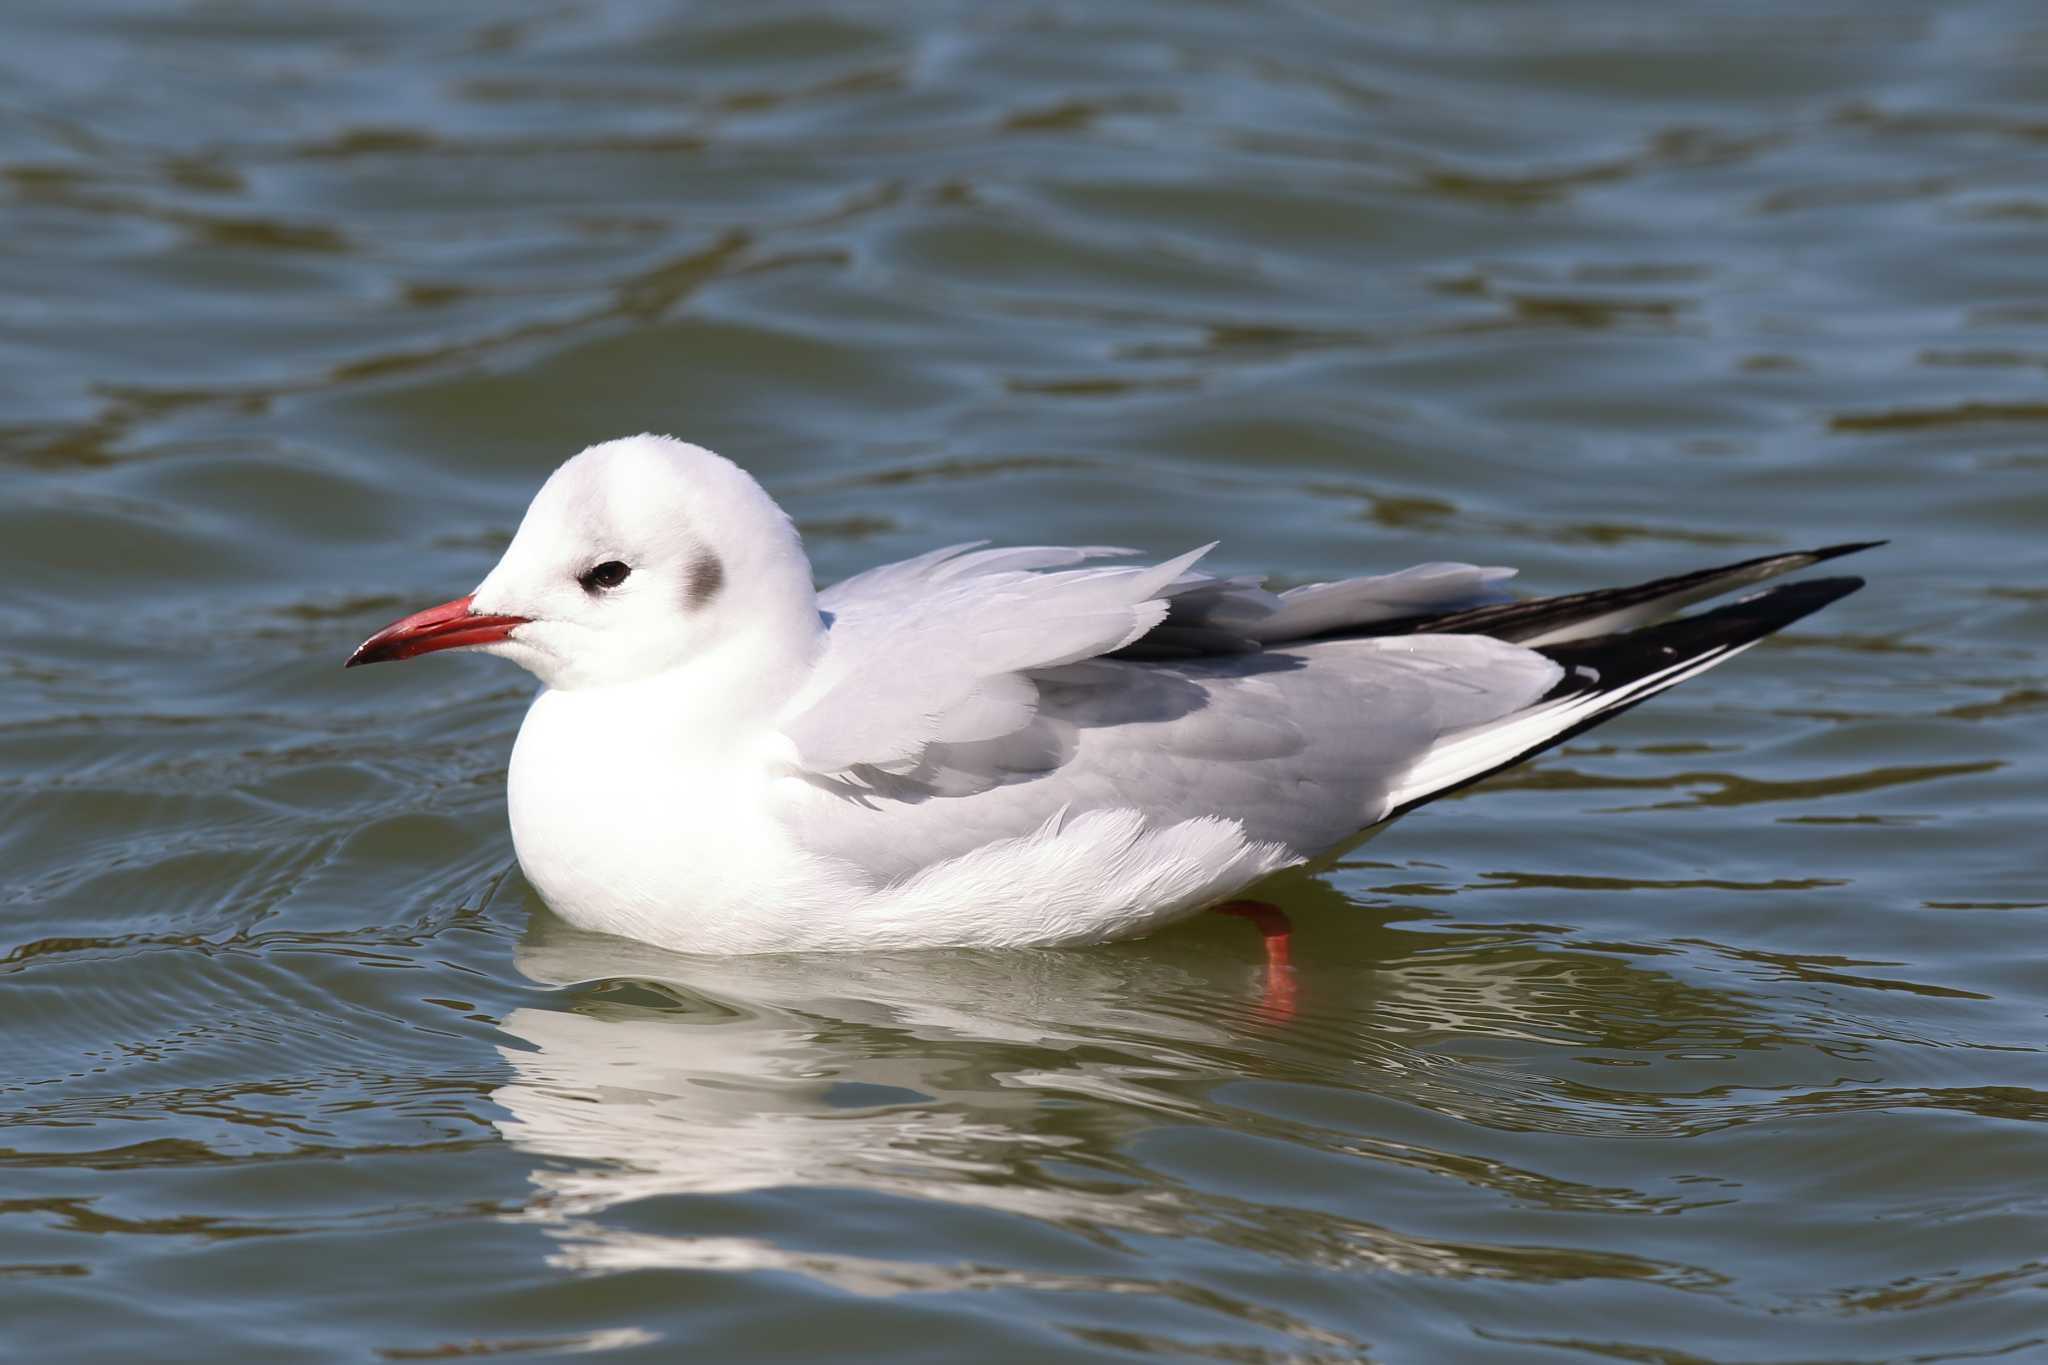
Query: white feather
x,y
1474,750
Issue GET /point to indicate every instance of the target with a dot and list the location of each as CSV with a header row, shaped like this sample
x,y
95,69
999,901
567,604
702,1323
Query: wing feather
x,y
939,649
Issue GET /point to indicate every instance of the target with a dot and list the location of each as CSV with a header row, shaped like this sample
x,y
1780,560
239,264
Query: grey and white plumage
x,y
1001,746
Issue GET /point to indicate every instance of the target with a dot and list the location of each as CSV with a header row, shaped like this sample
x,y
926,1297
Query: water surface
x,y
1715,1036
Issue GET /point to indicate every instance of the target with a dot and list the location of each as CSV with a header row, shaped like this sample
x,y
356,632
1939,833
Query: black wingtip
x,y
1617,659
1783,603
1847,548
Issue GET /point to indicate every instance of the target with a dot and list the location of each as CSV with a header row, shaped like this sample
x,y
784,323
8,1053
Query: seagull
x,y
999,747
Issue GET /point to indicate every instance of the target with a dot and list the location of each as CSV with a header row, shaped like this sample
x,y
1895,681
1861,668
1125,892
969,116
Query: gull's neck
x,y
768,644
747,679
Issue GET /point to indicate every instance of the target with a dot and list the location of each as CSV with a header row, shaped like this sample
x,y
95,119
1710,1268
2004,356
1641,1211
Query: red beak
x,y
452,625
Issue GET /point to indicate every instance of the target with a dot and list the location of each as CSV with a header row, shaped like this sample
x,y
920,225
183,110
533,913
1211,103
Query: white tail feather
x,y
1462,755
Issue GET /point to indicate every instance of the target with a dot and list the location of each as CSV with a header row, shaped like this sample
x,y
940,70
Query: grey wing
x,y
1181,695
1208,615
1302,746
947,649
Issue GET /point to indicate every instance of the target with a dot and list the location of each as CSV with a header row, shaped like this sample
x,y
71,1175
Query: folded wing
x,y
942,649
937,663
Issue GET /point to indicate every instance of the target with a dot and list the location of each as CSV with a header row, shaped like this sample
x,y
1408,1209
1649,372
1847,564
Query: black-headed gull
x,y
995,747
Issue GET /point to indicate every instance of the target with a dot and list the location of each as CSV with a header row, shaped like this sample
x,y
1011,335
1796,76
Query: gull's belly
x,y
652,837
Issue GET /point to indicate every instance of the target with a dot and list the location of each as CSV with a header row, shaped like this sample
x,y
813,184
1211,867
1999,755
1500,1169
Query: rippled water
x,y
1716,1036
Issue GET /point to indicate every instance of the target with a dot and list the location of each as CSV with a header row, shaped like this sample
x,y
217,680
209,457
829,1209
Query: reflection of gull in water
x,y
677,1101
727,1076
645,1108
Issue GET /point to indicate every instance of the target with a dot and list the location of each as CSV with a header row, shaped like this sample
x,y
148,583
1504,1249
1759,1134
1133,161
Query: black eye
x,y
609,574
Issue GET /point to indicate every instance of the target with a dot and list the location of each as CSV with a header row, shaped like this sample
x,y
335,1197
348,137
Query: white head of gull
x,y
999,746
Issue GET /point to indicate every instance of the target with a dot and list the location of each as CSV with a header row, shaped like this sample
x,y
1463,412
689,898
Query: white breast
x,y
655,832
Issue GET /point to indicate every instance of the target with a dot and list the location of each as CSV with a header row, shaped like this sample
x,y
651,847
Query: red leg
x,y
1274,927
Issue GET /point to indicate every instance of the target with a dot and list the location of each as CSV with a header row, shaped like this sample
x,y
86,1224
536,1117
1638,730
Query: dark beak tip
x,y
364,654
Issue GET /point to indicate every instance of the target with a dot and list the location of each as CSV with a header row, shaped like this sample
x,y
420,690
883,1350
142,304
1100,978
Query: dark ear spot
x,y
704,581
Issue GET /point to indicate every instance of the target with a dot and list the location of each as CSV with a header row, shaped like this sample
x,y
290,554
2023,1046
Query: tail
x,y
1607,673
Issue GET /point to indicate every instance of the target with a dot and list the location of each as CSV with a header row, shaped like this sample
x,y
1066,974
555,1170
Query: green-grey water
x,y
1715,1036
